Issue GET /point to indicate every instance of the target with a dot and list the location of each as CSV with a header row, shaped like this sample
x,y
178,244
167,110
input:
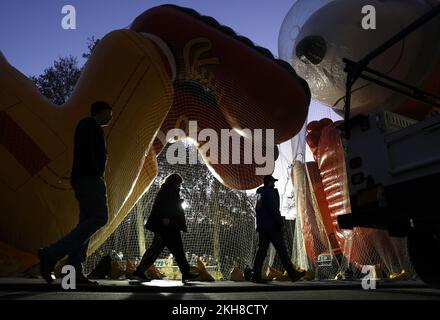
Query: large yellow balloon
x,y
129,70
133,70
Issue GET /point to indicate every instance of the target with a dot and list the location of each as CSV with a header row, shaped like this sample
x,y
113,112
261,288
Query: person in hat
x,y
270,230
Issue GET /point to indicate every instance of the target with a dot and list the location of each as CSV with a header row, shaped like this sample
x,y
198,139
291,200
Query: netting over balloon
x,y
222,224
220,221
321,195
158,80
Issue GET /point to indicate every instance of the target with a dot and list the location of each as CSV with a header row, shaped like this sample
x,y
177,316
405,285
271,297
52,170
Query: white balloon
x,y
316,35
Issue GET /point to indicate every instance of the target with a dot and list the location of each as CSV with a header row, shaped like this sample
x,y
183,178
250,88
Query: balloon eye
x,y
311,49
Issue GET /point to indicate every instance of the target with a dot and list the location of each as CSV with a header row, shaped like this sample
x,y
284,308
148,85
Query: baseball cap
x,y
269,178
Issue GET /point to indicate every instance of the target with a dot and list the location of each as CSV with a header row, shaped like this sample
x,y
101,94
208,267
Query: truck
x,y
393,166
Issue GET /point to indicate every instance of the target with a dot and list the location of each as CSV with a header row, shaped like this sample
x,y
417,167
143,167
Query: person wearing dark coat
x,y
166,220
270,230
88,183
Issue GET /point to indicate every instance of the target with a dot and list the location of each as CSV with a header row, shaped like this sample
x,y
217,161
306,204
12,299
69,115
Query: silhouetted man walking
x,y
89,160
270,230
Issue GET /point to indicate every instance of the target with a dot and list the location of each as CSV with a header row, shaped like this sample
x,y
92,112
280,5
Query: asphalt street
x,y
36,289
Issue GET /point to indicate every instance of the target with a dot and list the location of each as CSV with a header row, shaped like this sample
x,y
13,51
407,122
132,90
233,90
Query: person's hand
x,y
166,221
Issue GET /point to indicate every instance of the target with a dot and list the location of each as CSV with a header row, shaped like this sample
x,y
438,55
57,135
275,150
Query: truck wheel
x,y
424,252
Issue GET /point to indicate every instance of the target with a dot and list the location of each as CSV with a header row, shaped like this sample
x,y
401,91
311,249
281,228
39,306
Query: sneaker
x,y
102,270
139,276
258,279
46,265
189,276
297,276
82,280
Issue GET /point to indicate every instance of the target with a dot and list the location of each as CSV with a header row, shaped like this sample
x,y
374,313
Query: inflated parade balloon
x,y
317,35
173,66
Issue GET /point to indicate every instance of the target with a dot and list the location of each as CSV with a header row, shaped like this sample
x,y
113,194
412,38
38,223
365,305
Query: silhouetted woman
x,y
167,220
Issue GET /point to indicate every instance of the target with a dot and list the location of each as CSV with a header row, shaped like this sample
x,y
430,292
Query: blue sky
x,y
31,36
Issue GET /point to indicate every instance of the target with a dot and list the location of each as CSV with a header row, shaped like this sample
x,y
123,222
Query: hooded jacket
x,y
268,209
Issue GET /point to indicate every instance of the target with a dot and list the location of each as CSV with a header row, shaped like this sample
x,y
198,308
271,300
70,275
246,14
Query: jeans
x,y
173,241
276,238
93,214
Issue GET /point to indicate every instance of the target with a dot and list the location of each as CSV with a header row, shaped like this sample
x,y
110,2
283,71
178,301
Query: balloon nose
x,y
311,49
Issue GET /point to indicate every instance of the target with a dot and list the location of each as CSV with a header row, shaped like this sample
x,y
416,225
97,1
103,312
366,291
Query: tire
x,y
424,253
